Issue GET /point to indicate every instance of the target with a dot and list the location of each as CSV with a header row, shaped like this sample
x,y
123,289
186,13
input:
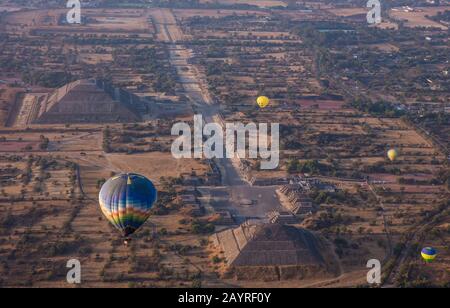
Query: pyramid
x,y
274,249
269,244
87,101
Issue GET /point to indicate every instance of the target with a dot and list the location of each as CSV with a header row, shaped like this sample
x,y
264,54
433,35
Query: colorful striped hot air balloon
x,y
126,201
429,254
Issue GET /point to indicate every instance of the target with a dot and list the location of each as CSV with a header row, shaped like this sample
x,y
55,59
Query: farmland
x,y
343,93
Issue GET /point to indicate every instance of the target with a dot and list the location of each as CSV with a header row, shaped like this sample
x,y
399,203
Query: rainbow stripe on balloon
x,y
125,217
126,201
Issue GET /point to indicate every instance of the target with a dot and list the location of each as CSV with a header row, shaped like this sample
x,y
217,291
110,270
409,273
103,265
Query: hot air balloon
x,y
126,201
429,254
392,154
263,101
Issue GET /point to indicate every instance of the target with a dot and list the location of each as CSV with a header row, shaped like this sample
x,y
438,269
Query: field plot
x,y
189,13
259,3
360,14
436,236
418,17
155,165
98,21
24,20
7,99
113,21
9,8
239,65
346,12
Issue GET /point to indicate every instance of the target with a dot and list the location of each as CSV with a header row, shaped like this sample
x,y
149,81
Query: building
x,y
297,203
214,176
191,179
225,218
428,107
254,181
283,218
191,204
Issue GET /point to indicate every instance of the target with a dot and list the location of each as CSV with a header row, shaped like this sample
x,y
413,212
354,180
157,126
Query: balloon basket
x,y
127,242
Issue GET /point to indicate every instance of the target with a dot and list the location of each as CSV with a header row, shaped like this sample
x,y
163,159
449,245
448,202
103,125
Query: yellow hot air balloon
x,y
392,154
263,101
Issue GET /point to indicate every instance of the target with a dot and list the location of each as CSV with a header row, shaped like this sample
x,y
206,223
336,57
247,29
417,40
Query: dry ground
x,y
260,3
418,18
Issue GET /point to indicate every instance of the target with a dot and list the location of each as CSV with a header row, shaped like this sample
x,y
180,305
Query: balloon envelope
x,y
126,201
263,101
429,254
392,155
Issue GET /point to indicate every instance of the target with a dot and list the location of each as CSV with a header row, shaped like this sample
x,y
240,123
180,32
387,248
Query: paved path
x,y
235,194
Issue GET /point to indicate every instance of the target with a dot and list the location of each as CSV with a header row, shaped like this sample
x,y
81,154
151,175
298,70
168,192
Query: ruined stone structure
x,y
86,101
298,202
278,251
283,218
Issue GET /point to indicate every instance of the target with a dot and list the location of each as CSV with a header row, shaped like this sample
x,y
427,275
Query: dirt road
x,y
235,192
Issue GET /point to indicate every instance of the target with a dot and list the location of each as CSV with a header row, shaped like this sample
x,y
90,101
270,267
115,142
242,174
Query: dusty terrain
x,y
217,62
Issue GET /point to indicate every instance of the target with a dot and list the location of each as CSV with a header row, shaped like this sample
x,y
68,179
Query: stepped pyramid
x,y
86,101
274,250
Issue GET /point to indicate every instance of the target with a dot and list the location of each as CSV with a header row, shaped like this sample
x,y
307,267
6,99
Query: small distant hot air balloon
x,y
392,154
263,101
429,254
126,201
